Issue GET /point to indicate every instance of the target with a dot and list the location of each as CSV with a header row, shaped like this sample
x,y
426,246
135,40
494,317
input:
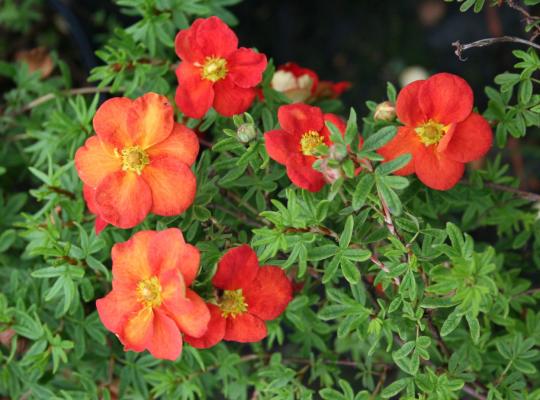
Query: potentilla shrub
x,y
202,224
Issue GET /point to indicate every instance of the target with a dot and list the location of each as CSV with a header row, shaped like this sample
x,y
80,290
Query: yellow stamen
x,y
214,69
310,140
232,303
149,292
134,159
431,132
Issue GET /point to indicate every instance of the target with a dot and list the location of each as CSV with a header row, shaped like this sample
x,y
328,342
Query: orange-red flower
x,y
150,305
249,296
301,84
441,131
214,71
302,130
139,162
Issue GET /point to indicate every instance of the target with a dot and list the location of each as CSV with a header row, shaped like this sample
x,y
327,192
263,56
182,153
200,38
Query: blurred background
x,y
365,42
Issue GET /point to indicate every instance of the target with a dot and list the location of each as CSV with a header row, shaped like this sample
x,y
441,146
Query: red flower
x,y
139,162
214,71
297,83
441,131
150,305
251,295
302,84
303,129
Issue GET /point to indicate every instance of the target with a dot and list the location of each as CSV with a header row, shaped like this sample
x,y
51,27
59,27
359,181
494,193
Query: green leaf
x,y
346,235
451,323
350,271
391,166
379,139
394,388
362,190
352,129
322,252
474,327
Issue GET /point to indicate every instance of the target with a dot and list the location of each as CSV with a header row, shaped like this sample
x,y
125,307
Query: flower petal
x,y
436,170
236,269
192,319
214,333
471,140
408,104
166,340
405,141
182,144
280,145
89,195
300,118
191,260
268,295
299,72
139,330
115,308
337,121
150,119
215,38
124,199
231,99
246,67
110,122
446,98
130,260
173,290
245,328
194,96
172,184
95,160
167,250
185,45
301,173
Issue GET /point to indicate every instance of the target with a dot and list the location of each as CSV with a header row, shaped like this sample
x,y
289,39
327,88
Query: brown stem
x,y
460,48
50,96
62,192
519,193
380,264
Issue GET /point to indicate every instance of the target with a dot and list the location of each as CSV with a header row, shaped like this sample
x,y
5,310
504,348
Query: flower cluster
x,y
140,160
151,305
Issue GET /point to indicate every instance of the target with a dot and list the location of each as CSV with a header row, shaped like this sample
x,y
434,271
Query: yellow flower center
x,y
232,303
310,140
134,159
431,132
149,292
214,69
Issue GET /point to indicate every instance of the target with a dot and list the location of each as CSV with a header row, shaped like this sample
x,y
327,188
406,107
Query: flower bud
x,y
337,153
246,133
330,174
385,111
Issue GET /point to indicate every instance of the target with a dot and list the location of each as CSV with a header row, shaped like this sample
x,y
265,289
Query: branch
x,y
519,193
50,96
460,48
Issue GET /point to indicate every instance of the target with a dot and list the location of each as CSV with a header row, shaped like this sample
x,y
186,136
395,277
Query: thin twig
x,y
50,96
460,48
519,193
383,267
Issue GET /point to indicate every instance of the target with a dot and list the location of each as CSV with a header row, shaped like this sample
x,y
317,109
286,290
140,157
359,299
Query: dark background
x,y
365,42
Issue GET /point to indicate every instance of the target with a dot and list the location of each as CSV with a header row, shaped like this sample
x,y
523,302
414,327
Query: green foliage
x,y
401,291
